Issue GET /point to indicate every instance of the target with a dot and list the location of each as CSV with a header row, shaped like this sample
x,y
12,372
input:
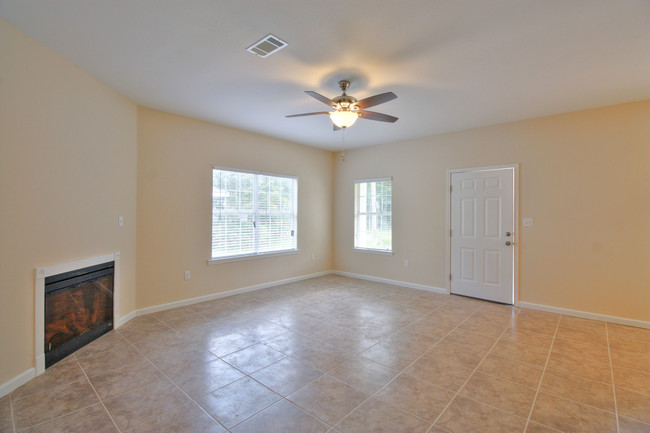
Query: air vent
x,y
267,46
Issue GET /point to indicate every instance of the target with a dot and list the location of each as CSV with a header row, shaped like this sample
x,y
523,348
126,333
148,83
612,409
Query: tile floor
x,y
335,354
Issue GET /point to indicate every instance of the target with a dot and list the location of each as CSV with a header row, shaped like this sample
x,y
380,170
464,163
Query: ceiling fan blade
x,y
321,98
371,115
308,114
376,100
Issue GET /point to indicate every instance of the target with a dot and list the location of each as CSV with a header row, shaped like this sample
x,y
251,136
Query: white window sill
x,y
370,251
252,257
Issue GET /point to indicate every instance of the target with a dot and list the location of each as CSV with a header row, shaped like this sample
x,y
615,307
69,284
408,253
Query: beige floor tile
x,y
90,419
112,340
628,425
534,323
517,336
574,348
469,337
428,328
323,357
568,322
291,342
238,401
227,344
6,421
444,373
484,326
534,427
375,416
633,405
65,371
364,374
125,379
158,343
253,358
580,366
415,396
181,358
207,377
627,345
282,417
595,336
49,403
175,313
286,376
510,369
634,380
571,417
352,341
597,394
448,315
631,360
469,416
184,419
502,394
142,404
466,356
95,363
629,332
328,398
392,356
263,331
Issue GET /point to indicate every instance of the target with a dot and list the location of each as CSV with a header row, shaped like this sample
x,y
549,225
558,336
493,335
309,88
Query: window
x,y
373,214
252,213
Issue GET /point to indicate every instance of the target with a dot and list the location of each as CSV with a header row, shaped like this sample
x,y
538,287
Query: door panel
x,y
482,212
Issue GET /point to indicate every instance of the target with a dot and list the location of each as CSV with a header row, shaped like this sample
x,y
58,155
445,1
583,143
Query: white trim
x,y
374,179
124,319
515,183
393,282
39,297
263,173
373,251
17,382
212,296
230,259
586,315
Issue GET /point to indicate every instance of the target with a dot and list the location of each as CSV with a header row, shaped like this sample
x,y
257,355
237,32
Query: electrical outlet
x,y
120,221
527,222
406,263
188,275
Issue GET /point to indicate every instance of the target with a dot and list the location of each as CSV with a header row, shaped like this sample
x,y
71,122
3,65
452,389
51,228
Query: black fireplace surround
x,y
78,309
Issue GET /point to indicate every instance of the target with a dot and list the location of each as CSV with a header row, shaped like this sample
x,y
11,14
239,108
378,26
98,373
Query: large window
x,y
252,213
373,214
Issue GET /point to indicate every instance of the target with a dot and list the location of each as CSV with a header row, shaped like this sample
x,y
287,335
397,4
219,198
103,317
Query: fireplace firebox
x,y
78,309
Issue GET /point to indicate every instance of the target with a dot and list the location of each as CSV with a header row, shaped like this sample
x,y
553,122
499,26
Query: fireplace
x,y
78,309
74,303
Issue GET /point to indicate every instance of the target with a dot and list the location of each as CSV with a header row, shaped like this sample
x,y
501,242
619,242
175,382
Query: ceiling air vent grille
x,y
267,46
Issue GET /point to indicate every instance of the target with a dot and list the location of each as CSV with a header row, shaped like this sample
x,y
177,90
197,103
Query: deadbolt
x,y
508,243
508,234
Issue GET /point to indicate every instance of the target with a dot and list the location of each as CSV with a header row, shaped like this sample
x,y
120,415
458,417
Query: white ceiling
x,y
453,64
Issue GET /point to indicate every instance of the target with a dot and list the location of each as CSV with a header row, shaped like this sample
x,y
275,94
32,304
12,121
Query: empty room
x,y
336,217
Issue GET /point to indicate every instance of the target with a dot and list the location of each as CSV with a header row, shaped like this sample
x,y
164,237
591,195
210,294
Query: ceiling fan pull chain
x,y
343,145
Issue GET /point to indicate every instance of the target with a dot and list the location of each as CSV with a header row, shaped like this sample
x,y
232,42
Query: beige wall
x,y
584,178
67,170
175,159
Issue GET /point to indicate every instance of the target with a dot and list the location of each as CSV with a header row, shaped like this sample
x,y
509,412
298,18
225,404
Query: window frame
x,y
356,248
256,214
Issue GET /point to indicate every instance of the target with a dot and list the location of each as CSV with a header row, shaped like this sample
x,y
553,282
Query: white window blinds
x,y
252,213
373,214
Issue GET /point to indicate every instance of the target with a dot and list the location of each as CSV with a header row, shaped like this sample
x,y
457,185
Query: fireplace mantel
x,y
39,297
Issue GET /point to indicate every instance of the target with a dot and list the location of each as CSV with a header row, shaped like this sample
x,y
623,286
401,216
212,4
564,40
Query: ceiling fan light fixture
x,y
344,119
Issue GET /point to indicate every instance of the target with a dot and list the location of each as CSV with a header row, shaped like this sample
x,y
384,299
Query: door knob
x,y
508,243
508,234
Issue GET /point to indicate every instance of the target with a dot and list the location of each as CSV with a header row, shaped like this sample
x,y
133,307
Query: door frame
x,y
515,199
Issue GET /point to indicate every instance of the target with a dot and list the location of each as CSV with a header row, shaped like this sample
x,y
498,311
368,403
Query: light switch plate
x,y
120,221
527,222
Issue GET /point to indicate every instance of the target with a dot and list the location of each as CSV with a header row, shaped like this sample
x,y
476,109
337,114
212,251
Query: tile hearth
x,y
341,355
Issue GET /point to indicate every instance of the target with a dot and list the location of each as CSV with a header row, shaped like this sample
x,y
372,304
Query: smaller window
x,y
373,214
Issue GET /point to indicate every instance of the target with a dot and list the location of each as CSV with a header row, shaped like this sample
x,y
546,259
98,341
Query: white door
x,y
482,234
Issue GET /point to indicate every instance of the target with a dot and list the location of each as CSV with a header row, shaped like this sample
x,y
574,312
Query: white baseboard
x,y
393,282
122,320
17,382
212,296
586,315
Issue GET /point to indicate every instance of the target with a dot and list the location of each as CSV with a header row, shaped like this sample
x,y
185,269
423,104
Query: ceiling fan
x,y
347,109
